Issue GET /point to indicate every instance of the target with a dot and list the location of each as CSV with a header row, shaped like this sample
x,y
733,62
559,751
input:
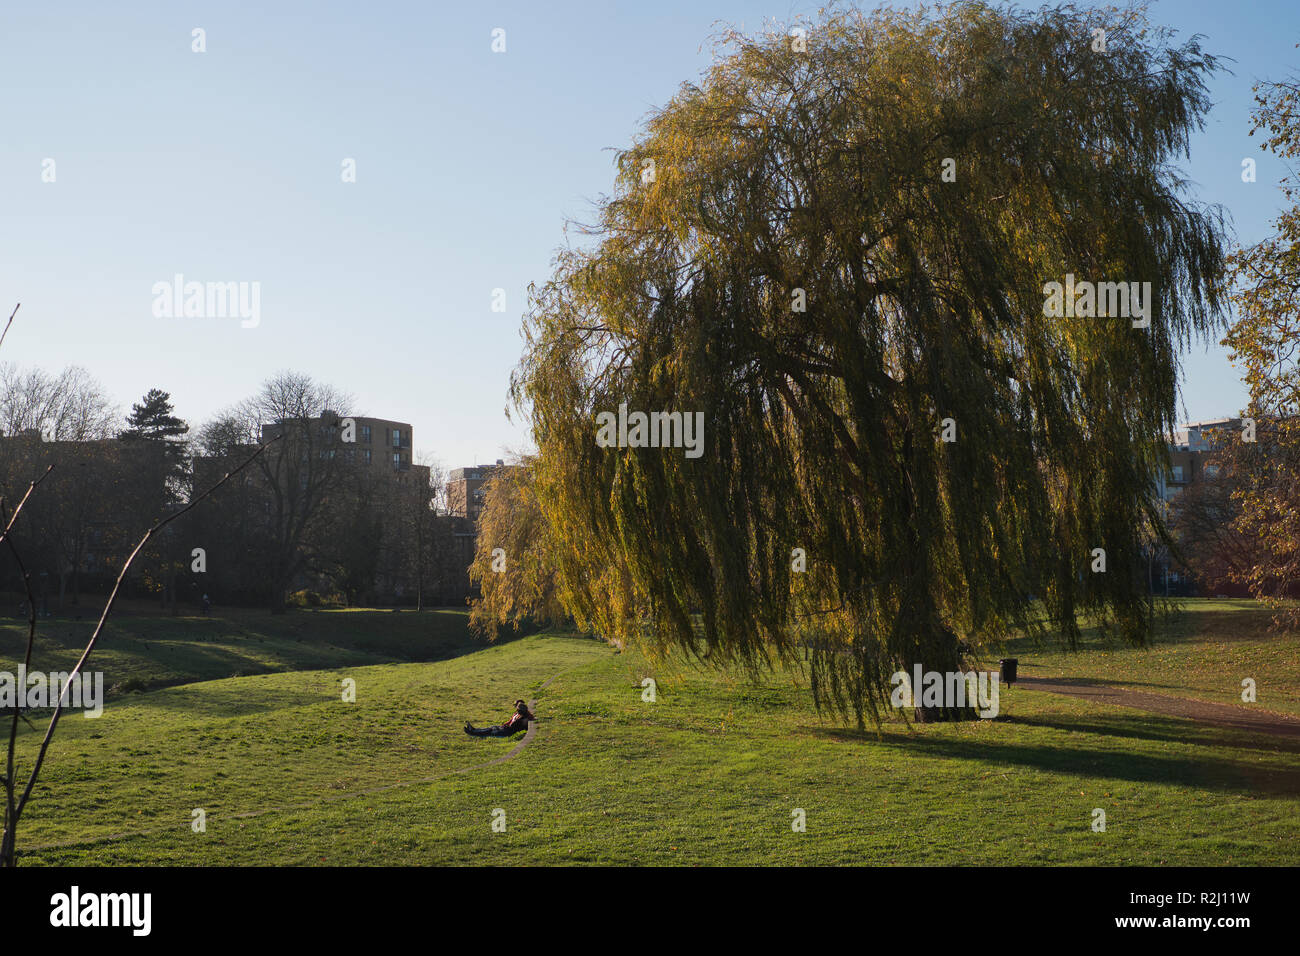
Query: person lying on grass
x,y
518,722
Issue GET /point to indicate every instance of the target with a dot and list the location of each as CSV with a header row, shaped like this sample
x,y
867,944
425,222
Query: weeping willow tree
x,y
837,248
512,566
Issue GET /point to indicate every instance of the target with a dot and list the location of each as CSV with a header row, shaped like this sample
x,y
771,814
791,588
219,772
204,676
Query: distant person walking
x,y
207,605
517,723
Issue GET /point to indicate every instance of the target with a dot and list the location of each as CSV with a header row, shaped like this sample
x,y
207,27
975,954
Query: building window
x,y
365,453
397,459
365,434
1178,473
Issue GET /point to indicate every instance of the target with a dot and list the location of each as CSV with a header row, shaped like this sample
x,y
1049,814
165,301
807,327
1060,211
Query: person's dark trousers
x,y
495,731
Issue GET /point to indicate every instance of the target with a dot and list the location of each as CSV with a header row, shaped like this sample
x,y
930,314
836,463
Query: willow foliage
x,y
820,167
512,566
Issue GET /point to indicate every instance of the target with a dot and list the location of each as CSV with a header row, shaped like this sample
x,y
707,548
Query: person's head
x,y
521,707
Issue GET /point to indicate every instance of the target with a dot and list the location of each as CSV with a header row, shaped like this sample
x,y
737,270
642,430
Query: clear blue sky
x,y
226,166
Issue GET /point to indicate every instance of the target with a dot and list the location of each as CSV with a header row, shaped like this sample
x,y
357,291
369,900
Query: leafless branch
x,y
8,847
9,323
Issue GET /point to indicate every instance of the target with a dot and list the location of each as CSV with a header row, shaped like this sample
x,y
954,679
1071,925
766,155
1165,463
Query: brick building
x,y
1188,452
465,491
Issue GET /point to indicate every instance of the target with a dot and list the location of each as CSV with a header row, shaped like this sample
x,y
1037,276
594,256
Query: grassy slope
x,y
244,744
141,649
708,774
1204,654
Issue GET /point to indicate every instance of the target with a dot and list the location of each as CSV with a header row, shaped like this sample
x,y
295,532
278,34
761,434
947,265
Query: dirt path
x,y
1219,715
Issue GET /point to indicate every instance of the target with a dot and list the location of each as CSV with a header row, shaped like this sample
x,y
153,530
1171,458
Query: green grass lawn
x,y
141,649
708,774
1203,653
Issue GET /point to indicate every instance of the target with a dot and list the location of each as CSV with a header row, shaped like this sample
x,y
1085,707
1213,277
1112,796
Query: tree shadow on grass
x,y
1201,772
1164,730
230,700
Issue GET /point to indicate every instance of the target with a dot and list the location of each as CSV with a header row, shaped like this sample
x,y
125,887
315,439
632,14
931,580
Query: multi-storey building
x,y
465,489
377,442
89,511
350,456
1187,452
1189,449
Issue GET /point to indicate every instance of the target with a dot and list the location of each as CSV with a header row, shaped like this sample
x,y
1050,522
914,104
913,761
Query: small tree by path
x,y
16,800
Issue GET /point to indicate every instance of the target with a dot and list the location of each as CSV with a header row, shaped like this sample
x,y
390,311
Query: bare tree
x,y
303,471
14,801
70,406
419,511
57,419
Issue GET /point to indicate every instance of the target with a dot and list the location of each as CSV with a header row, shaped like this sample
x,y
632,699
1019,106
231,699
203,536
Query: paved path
x,y
1220,715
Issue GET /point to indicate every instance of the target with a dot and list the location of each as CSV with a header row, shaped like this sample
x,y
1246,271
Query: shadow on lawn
x,y
1164,730
1202,772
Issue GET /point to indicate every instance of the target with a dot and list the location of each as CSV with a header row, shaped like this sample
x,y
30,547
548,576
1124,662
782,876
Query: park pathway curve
x,y
1219,715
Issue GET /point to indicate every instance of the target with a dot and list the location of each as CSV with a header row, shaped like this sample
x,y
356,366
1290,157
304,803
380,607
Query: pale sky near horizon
x,y
225,166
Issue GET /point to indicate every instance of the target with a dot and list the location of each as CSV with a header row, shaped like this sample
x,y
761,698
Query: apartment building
x,y
82,522
1188,449
465,489
375,442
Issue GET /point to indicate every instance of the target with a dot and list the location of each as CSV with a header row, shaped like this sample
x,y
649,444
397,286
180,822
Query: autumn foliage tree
x,y
836,247
513,560
1265,342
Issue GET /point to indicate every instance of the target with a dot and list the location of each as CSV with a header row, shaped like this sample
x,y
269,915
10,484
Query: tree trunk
x,y
942,657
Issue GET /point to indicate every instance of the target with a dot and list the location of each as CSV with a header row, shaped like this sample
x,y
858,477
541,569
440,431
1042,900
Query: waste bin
x,y
1007,669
